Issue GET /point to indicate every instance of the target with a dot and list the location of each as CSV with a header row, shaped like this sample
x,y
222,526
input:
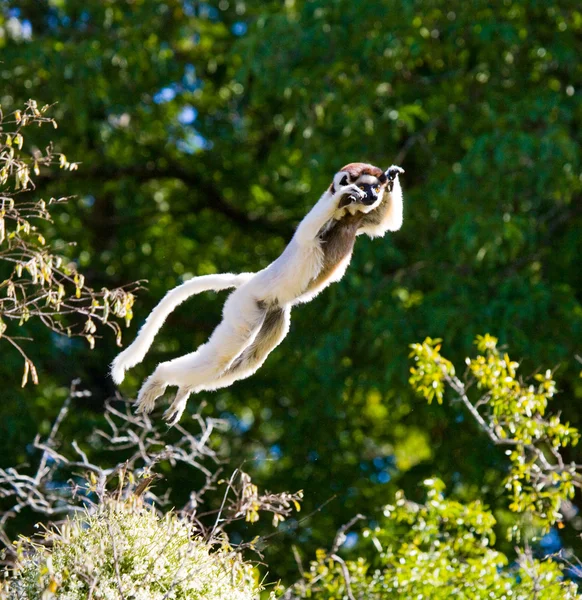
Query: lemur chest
x,y
337,244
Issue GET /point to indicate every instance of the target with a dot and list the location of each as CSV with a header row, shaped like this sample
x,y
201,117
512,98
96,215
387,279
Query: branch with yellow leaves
x,y
37,283
512,413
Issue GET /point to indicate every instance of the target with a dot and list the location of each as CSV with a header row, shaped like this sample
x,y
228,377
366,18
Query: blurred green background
x,y
206,130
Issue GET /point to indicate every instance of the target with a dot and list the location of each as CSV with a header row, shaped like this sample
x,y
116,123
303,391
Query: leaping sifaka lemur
x,y
361,199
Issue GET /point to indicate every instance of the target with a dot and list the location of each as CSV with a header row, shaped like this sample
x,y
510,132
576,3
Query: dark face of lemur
x,y
371,180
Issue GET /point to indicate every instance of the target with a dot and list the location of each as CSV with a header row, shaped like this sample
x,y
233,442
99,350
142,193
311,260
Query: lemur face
x,y
370,179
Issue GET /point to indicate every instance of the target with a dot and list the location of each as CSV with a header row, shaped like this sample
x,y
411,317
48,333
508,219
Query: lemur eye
x,y
362,188
376,188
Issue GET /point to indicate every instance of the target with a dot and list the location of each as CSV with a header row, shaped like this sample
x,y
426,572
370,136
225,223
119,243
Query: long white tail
x,y
135,353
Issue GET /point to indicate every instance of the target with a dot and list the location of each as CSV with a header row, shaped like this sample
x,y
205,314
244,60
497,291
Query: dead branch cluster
x,y
64,479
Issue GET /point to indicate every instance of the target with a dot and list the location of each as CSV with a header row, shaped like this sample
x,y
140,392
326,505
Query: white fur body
x,y
256,316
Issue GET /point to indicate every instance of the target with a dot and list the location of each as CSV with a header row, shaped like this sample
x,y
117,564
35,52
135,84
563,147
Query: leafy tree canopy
x,y
204,132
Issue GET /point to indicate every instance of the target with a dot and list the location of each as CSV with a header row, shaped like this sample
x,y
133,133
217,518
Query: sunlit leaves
x,y
430,370
127,548
512,413
440,549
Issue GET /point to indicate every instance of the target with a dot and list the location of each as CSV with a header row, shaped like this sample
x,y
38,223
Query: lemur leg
x,y
243,318
271,333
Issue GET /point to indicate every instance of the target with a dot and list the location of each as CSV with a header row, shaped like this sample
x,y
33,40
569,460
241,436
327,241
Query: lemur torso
x,y
337,241
337,244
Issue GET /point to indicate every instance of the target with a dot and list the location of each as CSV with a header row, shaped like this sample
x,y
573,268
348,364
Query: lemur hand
x,y
349,194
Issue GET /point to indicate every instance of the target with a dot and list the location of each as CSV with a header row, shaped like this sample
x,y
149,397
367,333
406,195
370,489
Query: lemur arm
x,y
323,211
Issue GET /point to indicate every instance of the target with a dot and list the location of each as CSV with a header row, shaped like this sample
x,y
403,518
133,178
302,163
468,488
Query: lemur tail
x,y
135,353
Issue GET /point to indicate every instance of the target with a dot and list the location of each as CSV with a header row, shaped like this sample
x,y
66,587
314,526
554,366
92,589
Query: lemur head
x,y
370,179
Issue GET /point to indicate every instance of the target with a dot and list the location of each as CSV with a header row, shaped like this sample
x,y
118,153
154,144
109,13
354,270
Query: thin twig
x,y
345,573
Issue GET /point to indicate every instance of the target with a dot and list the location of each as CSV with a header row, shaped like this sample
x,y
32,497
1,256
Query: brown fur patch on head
x,y
356,169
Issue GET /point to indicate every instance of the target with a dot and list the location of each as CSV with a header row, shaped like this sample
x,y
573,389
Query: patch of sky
x,y
17,28
166,94
84,19
383,477
187,115
239,28
26,29
239,425
207,11
190,81
275,451
381,462
88,201
193,142
574,571
203,10
351,540
551,542
57,18
382,465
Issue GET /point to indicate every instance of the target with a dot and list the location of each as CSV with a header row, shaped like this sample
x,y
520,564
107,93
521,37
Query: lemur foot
x,y
174,413
149,393
119,366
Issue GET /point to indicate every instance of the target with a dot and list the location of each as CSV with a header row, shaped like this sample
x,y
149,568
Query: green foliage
x,y
440,549
445,548
512,413
478,101
126,550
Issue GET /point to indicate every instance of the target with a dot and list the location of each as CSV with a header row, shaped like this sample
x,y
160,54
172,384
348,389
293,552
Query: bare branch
x,y
139,448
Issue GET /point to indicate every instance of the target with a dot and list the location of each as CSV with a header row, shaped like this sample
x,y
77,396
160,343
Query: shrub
x,y
444,548
126,550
